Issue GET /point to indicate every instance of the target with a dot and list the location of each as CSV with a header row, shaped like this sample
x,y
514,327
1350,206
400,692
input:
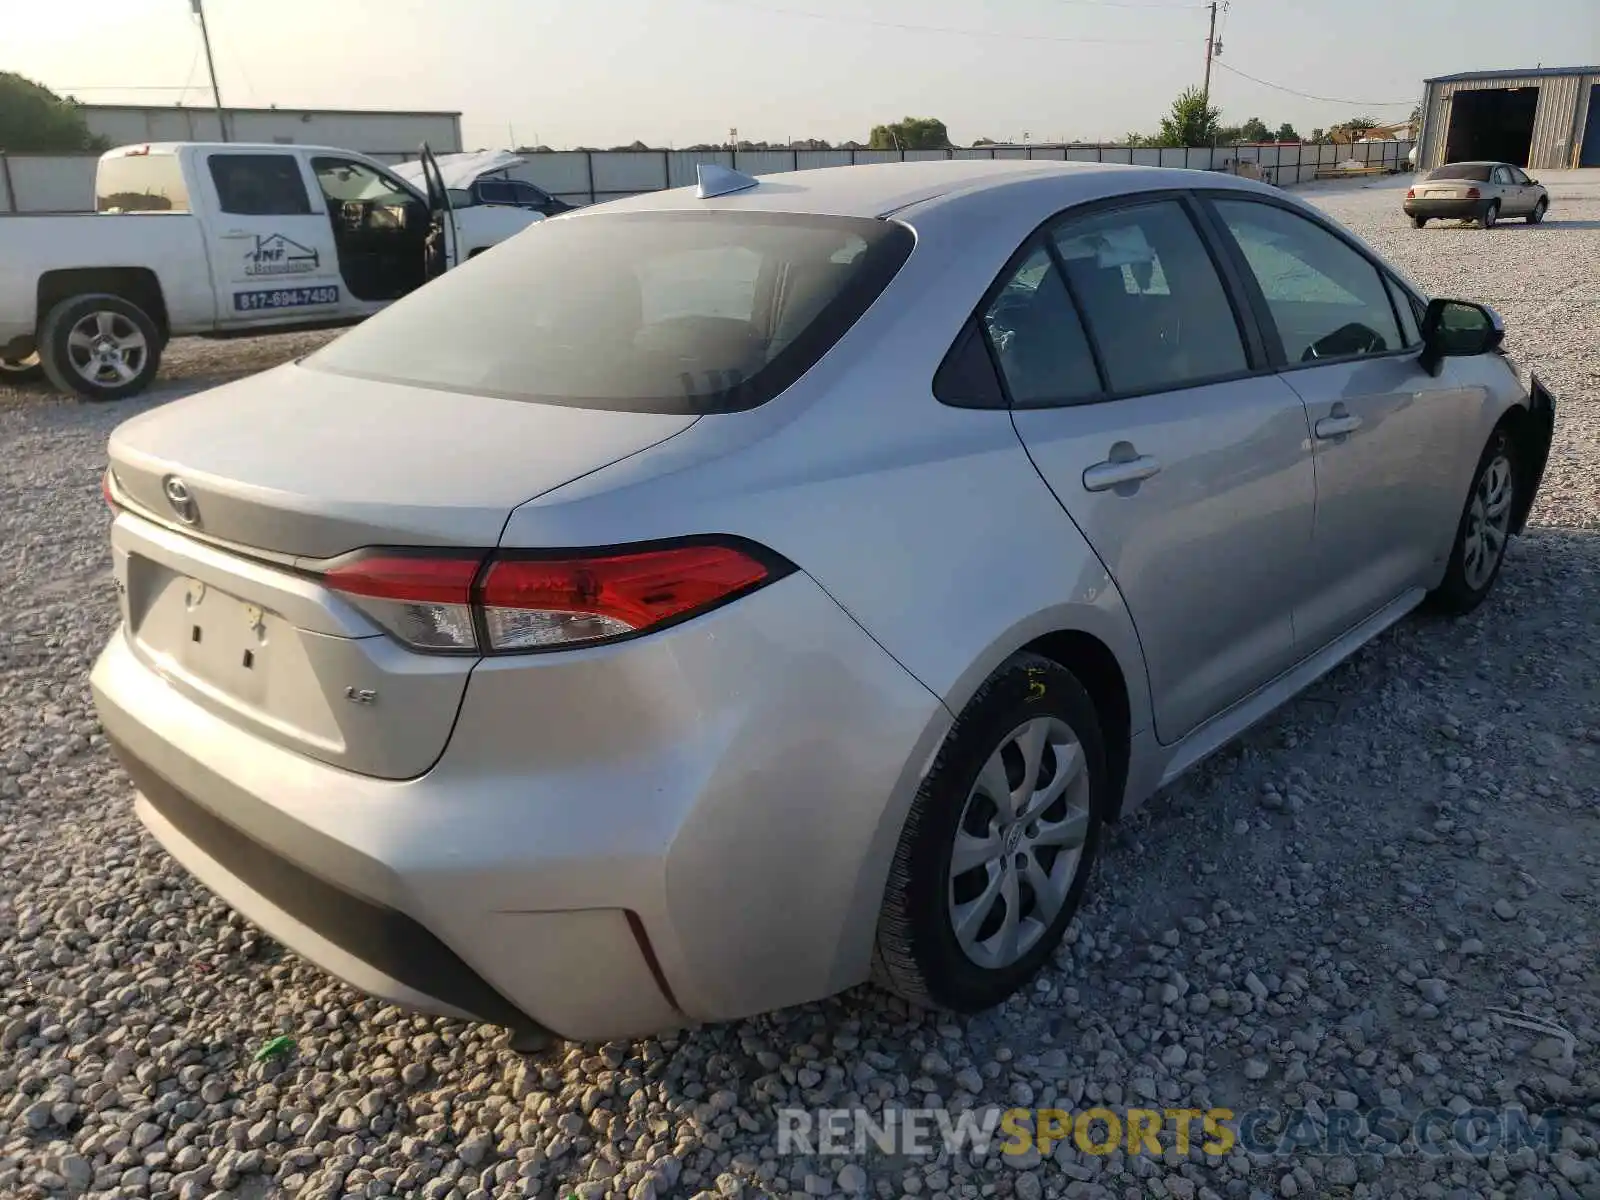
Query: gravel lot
x,y
1322,918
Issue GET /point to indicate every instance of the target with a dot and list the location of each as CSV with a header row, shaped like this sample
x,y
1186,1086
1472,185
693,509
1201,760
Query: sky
x,y
676,72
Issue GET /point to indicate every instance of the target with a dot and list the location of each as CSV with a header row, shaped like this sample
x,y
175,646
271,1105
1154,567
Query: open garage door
x,y
1589,156
1492,124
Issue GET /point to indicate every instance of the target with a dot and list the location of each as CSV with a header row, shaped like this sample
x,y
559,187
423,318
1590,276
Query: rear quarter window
x,y
672,312
133,183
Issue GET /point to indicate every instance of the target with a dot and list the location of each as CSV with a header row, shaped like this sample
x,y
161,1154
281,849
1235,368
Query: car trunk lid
x,y
219,578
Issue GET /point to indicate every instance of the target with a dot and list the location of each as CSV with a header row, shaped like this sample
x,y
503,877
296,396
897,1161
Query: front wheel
x,y
1490,214
998,845
20,370
1482,533
1538,212
101,347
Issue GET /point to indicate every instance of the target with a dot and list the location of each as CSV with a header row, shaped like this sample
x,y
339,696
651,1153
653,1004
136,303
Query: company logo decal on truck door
x,y
278,255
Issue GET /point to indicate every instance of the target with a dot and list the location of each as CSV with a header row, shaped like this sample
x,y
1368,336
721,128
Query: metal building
x,y
383,134
1547,118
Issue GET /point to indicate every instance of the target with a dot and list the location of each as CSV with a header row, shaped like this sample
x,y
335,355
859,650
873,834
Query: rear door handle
x,y
1109,474
1332,427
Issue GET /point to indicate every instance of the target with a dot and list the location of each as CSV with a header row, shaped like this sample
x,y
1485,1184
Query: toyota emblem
x,y
182,500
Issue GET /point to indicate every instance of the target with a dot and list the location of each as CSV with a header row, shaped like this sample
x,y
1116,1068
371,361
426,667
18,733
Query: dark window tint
x,y
647,312
1151,297
140,183
259,185
1410,315
1037,337
527,194
1502,175
966,378
1520,176
1477,172
496,191
1326,300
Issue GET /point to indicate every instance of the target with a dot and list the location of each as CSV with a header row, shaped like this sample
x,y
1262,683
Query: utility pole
x,y
1210,44
216,93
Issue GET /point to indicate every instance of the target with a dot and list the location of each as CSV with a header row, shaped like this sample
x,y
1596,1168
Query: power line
x,y
976,33
1308,96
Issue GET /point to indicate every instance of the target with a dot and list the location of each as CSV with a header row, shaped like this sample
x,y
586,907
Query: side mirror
x,y
1458,329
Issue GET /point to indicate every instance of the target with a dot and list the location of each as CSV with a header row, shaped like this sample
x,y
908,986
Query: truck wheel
x,y
102,347
20,370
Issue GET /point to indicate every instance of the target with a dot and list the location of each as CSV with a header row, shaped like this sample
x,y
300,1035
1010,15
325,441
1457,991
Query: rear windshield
x,y
666,312
1477,172
140,183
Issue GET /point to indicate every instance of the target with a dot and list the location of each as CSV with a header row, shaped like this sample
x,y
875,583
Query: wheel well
x,y
1528,441
136,284
1088,658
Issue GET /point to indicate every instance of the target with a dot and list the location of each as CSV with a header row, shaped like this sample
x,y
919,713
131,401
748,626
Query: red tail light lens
x,y
425,601
107,494
1473,193
530,604
478,603
1411,193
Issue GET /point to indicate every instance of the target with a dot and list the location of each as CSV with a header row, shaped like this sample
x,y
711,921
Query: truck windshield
x,y
672,312
132,183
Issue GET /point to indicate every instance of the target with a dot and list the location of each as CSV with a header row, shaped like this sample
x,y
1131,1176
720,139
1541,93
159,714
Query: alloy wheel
x,y
1488,522
106,348
1019,842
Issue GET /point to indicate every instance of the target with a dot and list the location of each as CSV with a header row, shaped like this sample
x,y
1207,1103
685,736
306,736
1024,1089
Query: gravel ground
x,y
1320,919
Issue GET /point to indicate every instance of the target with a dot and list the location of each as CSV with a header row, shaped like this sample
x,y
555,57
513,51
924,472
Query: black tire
x,y
1419,222
1459,592
20,370
918,955
1489,215
1539,211
61,360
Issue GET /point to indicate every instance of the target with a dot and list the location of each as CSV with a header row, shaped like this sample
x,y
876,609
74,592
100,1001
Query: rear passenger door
x,y
272,252
1387,436
1134,386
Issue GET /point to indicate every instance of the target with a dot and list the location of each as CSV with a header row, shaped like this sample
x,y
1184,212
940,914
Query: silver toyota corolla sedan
x,y
707,602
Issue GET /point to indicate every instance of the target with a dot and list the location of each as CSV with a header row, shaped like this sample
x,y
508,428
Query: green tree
x,y
1255,130
1286,133
1192,122
34,120
911,133
1354,128
1318,134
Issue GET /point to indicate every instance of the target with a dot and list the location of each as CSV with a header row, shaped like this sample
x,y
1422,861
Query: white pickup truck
x,y
221,240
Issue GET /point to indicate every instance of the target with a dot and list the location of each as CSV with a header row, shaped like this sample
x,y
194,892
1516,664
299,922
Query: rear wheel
x,y
1490,214
1539,211
102,347
999,843
20,370
1482,534
1419,222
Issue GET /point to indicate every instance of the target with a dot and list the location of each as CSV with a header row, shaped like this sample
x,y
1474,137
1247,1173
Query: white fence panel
x,y
626,173
51,183
811,159
564,173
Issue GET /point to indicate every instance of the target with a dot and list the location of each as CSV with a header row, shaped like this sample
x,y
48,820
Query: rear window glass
x,y
140,183
1477,172
644,312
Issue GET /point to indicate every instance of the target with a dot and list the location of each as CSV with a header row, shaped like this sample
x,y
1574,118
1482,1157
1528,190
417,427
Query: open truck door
x,y
443,236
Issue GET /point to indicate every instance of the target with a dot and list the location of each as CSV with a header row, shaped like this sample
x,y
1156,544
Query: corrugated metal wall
x,y
1557,123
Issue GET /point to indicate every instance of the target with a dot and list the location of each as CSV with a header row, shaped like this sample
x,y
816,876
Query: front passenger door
x,y
1131,386
1386,435
1511,198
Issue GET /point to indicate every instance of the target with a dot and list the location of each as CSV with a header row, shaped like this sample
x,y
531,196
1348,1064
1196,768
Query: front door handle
x,y
1337,426
1109,474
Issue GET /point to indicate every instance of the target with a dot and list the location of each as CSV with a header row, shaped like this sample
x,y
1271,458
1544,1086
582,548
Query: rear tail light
x,y
1411,193
489,603
1473,193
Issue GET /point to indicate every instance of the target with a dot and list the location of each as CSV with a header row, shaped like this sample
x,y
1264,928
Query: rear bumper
x,y
1461,210
692,826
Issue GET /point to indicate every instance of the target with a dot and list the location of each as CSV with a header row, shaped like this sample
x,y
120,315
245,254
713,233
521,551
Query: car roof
x,y
133,149
880,189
